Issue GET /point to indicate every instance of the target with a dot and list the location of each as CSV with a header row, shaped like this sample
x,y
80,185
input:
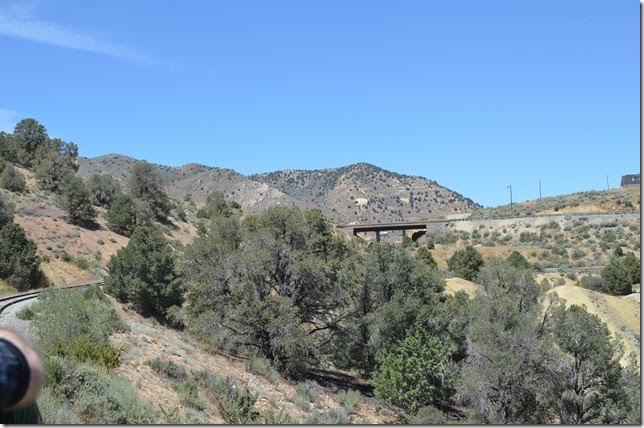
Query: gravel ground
x,y
9,320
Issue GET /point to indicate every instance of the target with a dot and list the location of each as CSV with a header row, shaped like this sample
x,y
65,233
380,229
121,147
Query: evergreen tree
x,y
466,262
76,201
617,278
53,169
418,373
19,260
517,260
143,273
145,188
103,188
425,256
28,135
121,216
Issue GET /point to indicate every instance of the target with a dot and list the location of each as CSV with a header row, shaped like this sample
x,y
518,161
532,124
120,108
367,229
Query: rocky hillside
x,y
360,192
365,192
194,180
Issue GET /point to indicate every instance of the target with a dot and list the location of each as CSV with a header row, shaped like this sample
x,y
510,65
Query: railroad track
x,y
8,301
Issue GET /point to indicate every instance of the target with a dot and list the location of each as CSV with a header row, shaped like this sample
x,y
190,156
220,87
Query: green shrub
x,y
617,278
592,282
261,366
349,400
111,401
103,188
430,244
63,317
578,254
517,260
90,396
528,237
236,404
12,180
428,415
189,394
53,169
85,350
466,262
55,411
169,369
81,263
280,417
25,314
146,188
633,267
331,417
309,391
425,256
417,373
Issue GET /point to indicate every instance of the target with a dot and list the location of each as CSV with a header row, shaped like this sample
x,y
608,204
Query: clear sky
x,y
473,94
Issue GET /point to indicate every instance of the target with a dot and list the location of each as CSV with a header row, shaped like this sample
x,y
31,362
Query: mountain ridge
x,y
355,192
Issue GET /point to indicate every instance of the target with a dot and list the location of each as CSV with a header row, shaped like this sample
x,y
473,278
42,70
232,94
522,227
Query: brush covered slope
x,y
359,192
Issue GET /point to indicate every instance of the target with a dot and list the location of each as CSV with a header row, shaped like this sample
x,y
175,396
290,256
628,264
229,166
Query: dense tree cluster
x,y
281,285
54,163
144,204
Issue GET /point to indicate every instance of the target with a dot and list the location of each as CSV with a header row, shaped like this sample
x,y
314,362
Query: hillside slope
x,y
364,192
72,254
193,179
360,192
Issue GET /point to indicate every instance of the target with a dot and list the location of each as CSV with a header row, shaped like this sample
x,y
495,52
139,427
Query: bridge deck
x,y
381,227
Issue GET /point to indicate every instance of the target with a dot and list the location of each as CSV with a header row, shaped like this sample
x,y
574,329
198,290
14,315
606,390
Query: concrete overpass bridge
x,y
420,227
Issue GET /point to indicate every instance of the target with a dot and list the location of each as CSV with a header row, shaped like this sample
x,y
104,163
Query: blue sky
x,y
473,94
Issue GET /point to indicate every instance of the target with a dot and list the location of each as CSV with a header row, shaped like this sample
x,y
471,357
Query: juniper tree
x,y
76,201
143,273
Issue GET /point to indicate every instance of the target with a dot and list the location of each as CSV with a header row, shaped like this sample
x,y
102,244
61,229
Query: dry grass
x,y
454,285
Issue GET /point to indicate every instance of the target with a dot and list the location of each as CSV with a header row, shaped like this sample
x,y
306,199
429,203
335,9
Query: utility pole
x,y
607,185
510,187
539,189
